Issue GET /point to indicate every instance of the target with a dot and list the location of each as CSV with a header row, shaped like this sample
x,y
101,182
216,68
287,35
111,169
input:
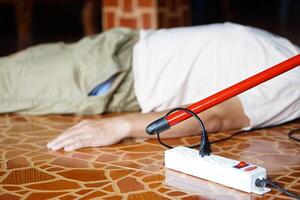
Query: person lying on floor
x,y
146,73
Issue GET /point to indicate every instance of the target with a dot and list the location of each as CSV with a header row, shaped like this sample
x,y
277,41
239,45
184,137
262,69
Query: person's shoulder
x,y
225,27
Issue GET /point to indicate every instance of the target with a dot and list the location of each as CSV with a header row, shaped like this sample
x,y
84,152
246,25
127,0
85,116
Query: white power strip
x,y
236,174
201,187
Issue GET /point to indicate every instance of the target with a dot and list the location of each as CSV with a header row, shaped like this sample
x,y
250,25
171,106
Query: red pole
x,y
234,90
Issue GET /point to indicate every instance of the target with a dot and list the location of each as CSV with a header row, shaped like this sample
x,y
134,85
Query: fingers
x,y
69,132
74,146
87,134
62,137
66,141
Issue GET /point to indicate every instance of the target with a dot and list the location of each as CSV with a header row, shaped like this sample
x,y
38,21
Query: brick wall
x,y
145,13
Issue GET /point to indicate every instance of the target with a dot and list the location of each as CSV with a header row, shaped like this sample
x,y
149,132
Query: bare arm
x,y
108,131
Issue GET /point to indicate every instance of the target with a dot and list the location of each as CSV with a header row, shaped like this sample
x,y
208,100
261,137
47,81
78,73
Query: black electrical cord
x,y
292,132
190,112
203,129
229,137
265,182
290,135
204,144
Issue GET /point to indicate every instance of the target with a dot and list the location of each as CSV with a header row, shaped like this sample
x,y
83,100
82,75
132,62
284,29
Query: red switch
x,y
241,165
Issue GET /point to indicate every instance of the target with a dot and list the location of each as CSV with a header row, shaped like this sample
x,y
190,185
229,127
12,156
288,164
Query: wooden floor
x,y
132,169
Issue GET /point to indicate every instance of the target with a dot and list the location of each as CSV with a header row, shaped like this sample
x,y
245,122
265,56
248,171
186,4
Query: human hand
x,y
91,133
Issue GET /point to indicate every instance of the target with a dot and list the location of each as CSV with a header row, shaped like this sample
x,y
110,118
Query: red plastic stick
x,y
234,90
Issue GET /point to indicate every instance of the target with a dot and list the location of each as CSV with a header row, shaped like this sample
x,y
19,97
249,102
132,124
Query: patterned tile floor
x,y
130,170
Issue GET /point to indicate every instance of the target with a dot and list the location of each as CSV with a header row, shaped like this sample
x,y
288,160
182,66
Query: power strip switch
x,y
235,174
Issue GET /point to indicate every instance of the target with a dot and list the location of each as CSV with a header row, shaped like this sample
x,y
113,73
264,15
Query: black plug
x,y
205,149
260,182
264,182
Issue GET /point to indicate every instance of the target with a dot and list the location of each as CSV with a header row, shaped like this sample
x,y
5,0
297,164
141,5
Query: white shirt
x,y
180,66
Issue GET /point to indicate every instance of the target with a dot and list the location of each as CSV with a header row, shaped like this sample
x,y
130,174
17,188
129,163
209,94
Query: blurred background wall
x,y
28,22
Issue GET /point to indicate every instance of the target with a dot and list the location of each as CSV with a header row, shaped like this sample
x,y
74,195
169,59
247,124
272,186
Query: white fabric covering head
x,y
180,66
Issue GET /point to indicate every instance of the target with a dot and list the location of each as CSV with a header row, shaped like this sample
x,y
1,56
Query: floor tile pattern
x,y
133,169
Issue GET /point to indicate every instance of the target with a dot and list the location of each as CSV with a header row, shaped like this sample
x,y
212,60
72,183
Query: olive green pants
x,y
57,78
